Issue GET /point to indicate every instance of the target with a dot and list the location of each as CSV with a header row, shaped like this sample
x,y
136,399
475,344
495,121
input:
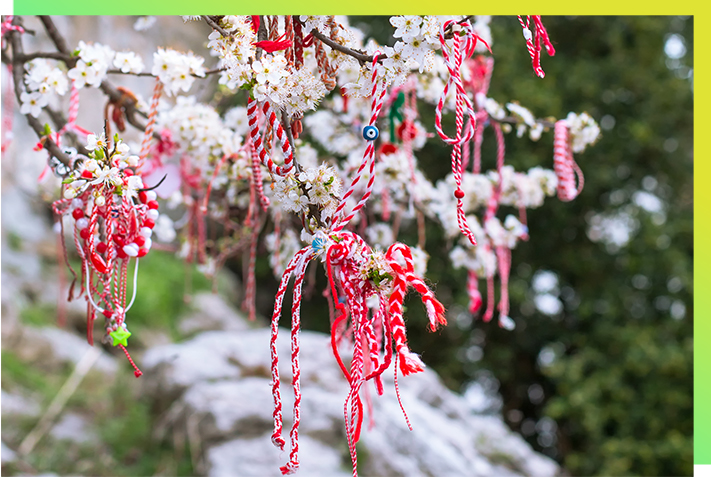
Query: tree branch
x,y
51,55
262,35
145,73
18,70
54,35
359,55
215,26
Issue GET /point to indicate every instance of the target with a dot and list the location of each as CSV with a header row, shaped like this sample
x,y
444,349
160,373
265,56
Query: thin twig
x,y
358,55
50,55
217,27
54,35
60,400
146,73
286,124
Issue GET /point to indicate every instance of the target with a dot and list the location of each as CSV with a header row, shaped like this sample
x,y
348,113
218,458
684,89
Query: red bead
x,y
139,240
101,247
119,241
459,194
149,223
143,197
78,214
86,174
84,233
388,148
120,253
152,204
142,252
99,263
107,313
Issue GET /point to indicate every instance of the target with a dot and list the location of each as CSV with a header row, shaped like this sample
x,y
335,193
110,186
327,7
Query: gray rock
x,y
212,313
8,455
222,378
17,405
74,427
50,345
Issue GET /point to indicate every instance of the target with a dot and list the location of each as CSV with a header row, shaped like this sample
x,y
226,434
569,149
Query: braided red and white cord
x,y
462,47
273,119
378,94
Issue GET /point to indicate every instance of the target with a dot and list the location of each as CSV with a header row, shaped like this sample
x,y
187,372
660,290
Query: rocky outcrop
x,y
216,389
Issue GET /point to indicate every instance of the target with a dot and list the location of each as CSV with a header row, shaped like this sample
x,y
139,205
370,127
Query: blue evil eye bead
x,y
370,133
318,244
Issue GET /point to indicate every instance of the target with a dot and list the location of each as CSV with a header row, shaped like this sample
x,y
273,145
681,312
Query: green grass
x,y
39,315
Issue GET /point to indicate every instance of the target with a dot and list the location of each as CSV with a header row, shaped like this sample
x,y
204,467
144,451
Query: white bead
x,y
70,193
82,223
147,244
152,214
77,203
132,161
146,232
100,201
131,249
527,34
151,195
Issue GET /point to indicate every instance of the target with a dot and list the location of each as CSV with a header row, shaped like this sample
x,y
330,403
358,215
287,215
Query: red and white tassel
x,y
563,163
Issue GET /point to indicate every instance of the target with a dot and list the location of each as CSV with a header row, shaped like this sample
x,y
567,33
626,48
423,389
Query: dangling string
x,y
368,157
489,313
482,115
135,286
137,372
299,273
475,299
503,256
563,163
73,113
534,51
249,304
7,111
453,59
277,438
148,135
258,181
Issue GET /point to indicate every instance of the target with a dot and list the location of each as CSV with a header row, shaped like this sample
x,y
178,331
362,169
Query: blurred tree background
x,y
598,372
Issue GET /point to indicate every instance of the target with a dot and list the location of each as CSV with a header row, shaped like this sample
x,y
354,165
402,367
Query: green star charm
x,y
120,336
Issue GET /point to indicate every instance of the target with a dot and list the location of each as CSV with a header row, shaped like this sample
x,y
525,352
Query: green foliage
x,y
169,279
39,315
